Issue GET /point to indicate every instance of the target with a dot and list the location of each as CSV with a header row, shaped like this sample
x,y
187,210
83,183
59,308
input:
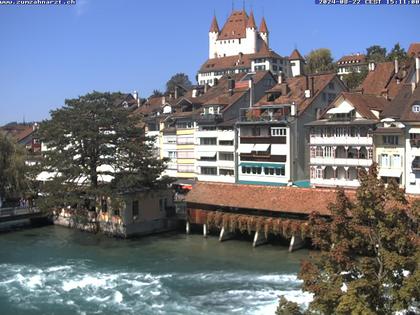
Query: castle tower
x,y
213,34
264,31
251,35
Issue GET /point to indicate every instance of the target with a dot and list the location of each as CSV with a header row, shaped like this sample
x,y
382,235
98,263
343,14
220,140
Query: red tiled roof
x,y
214,27
295,55
251,21
382,80
235,26
263,26
18,131
414,49
264,198
296,91
352,59
401,106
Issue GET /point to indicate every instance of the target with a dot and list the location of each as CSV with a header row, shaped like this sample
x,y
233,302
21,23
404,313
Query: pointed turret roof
x,y
214,28
263,26
251,21
296,55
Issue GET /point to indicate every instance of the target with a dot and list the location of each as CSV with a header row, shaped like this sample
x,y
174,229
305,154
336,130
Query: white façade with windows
x,y
412,164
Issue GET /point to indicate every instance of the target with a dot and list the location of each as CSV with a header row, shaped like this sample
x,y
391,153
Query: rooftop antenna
x,y
233,5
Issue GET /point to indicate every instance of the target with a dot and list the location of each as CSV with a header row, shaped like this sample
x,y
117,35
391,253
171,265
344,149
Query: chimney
x,y
251,92
312,86
417,69
293,110
231,85
194,93
396,68
137,98
176,92
413,86
307,90
372,66
280,79
163,100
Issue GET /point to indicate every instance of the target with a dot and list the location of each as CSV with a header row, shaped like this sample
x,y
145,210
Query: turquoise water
x,y
54,270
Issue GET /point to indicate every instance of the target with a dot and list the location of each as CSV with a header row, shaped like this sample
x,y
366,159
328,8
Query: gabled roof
x,y
352,59
383,80
263,26
214,27
295,55
401,107
362,103
296,87
263,198
251,21
235,26
414,49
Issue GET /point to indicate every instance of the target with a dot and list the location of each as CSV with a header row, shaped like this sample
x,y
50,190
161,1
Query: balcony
x,y
209,119
332,182
263,139
341,140
341,162
415,143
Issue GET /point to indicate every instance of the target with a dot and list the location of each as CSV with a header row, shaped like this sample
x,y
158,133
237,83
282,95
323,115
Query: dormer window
x,y
416,108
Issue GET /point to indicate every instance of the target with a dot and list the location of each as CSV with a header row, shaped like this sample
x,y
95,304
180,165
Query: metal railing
x,y
16,211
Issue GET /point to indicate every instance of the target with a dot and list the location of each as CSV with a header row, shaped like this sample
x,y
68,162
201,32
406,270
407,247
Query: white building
x,y
240,47
342,140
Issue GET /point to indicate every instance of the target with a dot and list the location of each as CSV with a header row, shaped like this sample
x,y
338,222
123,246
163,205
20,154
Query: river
x,y
55,270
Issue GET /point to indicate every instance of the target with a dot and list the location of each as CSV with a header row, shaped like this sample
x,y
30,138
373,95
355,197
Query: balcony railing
x,y
263,139
209,118
341,161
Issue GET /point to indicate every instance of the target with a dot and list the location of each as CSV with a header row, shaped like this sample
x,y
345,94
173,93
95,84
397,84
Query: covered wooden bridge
x,y
260,210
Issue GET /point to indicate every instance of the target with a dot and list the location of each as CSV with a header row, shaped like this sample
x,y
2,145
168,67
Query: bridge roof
x,y
265,198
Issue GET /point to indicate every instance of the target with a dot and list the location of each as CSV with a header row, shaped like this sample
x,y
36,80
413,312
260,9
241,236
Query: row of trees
x,y
369,254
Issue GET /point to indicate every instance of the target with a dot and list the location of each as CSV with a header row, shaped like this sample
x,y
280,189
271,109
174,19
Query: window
x,y
390,140
185,140
276,132
226,142
185,125
209,170
208,141
226,172
278,171
226,156
384,160
396,160
135,208
319,173
172,154
185,168
416,108
185,154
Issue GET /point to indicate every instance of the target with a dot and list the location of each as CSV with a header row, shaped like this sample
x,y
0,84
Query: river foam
x,y
83,289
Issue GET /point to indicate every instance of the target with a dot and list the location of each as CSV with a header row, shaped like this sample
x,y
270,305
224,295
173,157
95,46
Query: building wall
x,y
412,152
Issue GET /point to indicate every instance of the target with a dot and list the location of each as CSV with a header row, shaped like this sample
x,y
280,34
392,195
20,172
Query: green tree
x,y
376,53
156,93
354,79
319,60
397,52
287,308
13,181
178,79
369,252
96,149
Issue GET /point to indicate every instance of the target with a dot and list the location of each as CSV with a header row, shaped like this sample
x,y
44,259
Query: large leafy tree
x,y
354,79
397,52
13,182
319,60
369,256
376,53
96,149
178,79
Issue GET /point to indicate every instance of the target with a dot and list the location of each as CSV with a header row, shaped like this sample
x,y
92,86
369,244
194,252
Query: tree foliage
x,y
96,149
376,53
397,52
369,252
156,93
13,182
178,79
354,79
319,60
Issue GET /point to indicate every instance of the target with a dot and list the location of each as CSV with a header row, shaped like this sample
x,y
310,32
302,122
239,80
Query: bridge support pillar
x,y
205,230
224,235
259,239
187,227
296,242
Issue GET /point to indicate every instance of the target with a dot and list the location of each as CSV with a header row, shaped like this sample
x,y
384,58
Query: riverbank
x,y
60,270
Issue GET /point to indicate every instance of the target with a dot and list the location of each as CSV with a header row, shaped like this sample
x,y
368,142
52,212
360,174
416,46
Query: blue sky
x,y
50,53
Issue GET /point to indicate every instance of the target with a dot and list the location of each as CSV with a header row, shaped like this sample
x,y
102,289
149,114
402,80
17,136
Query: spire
x,y
214,28
263,26
251,21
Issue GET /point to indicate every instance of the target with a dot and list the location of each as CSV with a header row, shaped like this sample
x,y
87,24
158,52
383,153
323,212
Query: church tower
x,y
213,34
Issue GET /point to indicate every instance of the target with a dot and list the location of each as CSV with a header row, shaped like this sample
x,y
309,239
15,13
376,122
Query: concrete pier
x,y
296,242
205,230
224,235
259,239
